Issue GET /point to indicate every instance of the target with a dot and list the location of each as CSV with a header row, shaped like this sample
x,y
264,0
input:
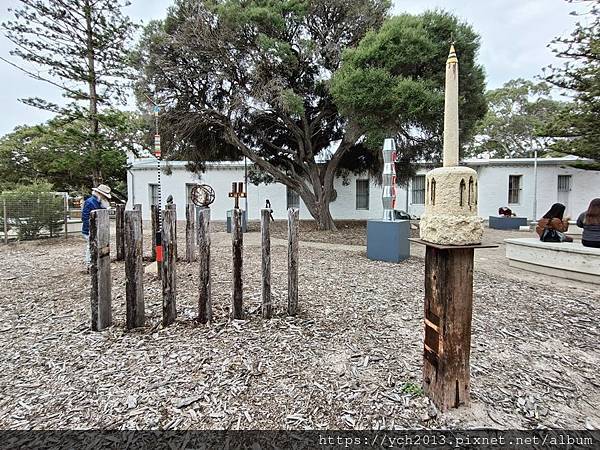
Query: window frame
x,y
512,190
289,194
362,195
151,188
418,195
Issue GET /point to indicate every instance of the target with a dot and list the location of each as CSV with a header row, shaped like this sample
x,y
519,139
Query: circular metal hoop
x,y
202,195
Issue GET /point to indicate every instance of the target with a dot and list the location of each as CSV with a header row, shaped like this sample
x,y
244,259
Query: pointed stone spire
x,y
451,111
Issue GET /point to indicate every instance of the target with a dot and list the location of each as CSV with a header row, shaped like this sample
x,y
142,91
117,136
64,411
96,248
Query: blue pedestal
x,y
388,241
507,223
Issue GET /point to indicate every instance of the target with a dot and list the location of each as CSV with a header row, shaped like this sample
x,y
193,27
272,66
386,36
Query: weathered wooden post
x,y
5,215
100,270
237,240
119,231
134,268
293,229
265,232
169,272
204,294
190,233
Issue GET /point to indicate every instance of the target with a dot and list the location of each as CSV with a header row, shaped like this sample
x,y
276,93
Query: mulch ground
x,y
351,359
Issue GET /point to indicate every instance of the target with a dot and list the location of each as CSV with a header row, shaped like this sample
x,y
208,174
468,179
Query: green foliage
x,y
516,122
393,82
578,126
53,151
31,209
412,388
78,46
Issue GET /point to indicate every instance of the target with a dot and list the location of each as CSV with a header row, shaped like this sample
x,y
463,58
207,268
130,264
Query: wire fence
x,y
37,215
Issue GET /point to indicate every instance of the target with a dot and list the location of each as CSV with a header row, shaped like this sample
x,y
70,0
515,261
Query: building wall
x,y
493,191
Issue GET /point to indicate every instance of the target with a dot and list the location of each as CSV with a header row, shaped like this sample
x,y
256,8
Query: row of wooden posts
x,y
129,247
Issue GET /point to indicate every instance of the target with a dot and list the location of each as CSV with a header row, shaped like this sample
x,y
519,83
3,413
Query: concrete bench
x,y
566,259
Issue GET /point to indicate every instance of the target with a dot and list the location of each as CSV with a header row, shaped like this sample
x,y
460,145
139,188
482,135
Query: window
x,y
418,190
188,192
564,183
293,199
514,189
362,194
154,194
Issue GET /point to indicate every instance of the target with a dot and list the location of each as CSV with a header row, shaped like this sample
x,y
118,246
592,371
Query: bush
x,y
31,209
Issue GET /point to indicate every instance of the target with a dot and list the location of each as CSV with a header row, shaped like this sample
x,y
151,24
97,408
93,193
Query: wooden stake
x,y
265,221
448,312
190,233
203,239
169,272
119,226
237,239
100,270
134,268
293,229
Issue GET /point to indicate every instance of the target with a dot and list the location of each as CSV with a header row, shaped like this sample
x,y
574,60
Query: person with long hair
x,y
590,222
554,220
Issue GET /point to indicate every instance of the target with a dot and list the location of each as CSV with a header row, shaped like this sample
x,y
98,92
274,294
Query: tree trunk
x,y
319,209
93,109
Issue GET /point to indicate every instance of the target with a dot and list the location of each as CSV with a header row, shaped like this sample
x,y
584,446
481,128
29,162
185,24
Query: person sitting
x,y
590,222
552,226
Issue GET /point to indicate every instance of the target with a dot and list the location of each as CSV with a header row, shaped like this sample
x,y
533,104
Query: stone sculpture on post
x,y
450,216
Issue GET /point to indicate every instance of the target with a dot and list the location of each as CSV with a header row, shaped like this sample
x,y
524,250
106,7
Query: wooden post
x,y
66,216
100,269
5,215
169,273
448,312
293,228
190,233
265,221
204,295
134,268
119,230
237,240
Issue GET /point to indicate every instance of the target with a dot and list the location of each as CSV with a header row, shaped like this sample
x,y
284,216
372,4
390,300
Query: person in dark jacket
x,y
553,219
100,199
590,222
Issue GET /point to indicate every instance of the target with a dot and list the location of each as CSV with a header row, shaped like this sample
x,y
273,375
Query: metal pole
x,y
535,158
66,215
5,222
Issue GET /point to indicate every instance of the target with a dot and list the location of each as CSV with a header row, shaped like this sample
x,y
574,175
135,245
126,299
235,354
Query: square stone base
x,y
388,240
507,223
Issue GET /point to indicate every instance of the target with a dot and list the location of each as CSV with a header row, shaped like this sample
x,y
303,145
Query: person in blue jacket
x,y
100,199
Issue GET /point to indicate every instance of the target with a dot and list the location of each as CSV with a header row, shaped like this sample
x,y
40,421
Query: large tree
x,y
516,122
253,78
578,127
78,46
52,152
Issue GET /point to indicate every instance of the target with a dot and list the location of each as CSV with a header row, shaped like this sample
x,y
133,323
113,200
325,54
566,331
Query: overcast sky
x,y
514,35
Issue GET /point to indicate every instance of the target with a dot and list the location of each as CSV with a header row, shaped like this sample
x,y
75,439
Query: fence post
x,y
119,231
265,232
169,273
134,268
237,241
5,221
190,233
204,295
100,269
293,226
66,216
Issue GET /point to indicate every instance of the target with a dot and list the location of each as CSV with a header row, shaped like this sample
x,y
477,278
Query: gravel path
x,y
352,359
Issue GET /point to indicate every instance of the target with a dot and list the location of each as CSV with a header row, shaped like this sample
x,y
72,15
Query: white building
x,y
502,182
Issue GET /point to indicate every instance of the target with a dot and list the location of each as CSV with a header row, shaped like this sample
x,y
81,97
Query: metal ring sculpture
x,y
203,195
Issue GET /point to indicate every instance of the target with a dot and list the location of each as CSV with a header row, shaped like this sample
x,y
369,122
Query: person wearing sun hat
x,y
100,199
